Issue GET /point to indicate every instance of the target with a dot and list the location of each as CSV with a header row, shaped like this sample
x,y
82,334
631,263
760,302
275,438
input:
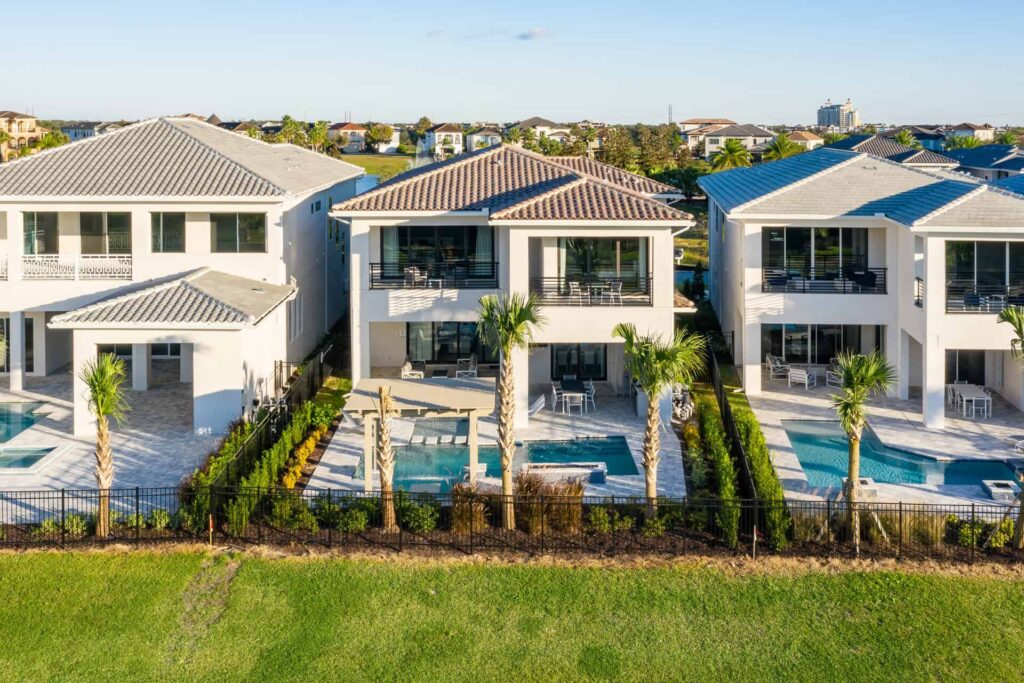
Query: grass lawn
x,y
333,392
192,617
383,165
695,240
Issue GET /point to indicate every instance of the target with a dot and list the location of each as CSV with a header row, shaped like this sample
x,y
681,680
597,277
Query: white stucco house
x,y
442,141
835,249
593,242
544,128
749,136
485,137
353,133
983,132
170,238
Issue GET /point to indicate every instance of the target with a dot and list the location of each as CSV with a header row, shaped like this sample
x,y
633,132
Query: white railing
x,y
76,267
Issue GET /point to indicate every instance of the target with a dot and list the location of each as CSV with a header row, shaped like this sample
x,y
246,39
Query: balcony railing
x,y
824,280
964,296
466,274
919,292
3,268
584,291
76,267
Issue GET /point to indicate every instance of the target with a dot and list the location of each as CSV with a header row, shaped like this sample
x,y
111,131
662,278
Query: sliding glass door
x,y
445,343
818,344
621,258
819,253
469,247
584,361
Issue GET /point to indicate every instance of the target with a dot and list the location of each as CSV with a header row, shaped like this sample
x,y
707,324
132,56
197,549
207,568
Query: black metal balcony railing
x,y
824,280
584,291
465,274
919,292
965,296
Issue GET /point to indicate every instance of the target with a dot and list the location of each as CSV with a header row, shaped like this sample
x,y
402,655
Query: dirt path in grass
x,y
203,604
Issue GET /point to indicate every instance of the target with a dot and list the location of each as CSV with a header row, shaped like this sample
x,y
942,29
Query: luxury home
x,y
834,250
170,239
593,242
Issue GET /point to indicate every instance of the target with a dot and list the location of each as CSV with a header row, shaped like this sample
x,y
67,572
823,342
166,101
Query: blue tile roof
x,y
980,157
1014,184
913,205
741,185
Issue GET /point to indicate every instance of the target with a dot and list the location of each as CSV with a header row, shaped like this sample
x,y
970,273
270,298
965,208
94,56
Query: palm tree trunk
x,y
1018,535
386,463
652,443
506,438
104,475
852,492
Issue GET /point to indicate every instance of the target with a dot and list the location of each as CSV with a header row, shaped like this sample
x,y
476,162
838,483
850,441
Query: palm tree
x,y
862,376
731,155
655,364
506,324
906,138
782,147
104,377
386,457
962,142
1008,137
1014,317
832,138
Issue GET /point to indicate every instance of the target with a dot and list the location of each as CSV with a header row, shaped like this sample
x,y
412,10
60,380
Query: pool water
x,y
420,464
16,418
20,458
823,451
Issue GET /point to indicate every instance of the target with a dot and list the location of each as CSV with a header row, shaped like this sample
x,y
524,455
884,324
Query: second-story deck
x,y
456,274
592,291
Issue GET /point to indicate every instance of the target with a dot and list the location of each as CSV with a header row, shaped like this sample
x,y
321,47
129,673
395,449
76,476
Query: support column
x,y
903,366
185,364
934,384
368,453
521,372
141,362
750,353
82,351
16,344
473,448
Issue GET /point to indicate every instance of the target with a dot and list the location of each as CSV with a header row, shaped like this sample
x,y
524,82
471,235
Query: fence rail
x,y
823,280
464,274
470,522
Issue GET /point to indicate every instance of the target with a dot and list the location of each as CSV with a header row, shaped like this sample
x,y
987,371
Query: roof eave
x,y
618,223
85,325
352,213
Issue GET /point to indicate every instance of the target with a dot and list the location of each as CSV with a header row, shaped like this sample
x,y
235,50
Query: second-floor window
x,y
168,230
106,232
238,232
40,233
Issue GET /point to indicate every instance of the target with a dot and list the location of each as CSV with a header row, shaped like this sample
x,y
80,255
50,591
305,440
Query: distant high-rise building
x,y
838,115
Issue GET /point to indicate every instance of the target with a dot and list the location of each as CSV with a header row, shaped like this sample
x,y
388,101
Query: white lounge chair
x,y
409,373
536,406
801,376
776,368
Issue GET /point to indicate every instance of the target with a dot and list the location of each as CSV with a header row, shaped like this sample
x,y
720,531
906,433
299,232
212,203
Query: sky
x,y
618,62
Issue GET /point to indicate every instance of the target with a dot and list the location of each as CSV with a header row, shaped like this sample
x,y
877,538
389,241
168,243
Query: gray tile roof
x,y
866,186
535,121
501,178
741,130
888,148
202,298
172,158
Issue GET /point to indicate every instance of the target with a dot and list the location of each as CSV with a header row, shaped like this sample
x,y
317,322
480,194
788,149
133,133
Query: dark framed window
x,y
445,342
30,345
105,232
168,230
604,257
120,350
40,233
243,233
401,246
586,361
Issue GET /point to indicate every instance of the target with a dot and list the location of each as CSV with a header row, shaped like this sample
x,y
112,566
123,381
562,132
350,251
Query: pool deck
x,y
613,417
898,424
154,446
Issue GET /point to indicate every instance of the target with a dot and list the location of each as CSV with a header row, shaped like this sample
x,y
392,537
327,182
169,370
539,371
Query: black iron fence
x,y
471,522
919,292
964,295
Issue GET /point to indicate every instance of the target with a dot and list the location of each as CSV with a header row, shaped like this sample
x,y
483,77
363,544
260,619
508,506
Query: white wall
x,y
387,345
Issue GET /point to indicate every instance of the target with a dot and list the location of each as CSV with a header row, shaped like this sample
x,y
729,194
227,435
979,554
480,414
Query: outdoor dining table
x,y
976,395
574,387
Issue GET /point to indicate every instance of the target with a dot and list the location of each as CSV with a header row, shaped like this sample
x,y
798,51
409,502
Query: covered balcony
x,y
984,276
435,257
820,261
591,271
100,248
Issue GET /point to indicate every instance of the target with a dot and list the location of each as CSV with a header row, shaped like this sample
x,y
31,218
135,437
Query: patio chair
x,y
612,293
575,292
409,373
414,277
801,376
556,397
972,300
568,378
591,391
833,379
776,368
570,401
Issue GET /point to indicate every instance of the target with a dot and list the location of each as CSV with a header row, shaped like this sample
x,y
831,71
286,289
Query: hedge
x,y
712,433
766,479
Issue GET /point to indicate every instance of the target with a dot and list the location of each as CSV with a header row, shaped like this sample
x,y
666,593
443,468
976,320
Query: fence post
x,y
63,518
330,527
899,554
974,530
138,519
471,495
543,531
828,524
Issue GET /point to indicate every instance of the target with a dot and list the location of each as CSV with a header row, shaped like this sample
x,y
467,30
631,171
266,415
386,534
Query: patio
x,y
898,424
614,416
154,447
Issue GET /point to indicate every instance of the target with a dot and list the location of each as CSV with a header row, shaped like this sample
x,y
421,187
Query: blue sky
x,y
762,62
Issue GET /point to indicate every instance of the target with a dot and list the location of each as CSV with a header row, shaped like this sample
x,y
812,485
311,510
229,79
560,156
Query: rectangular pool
x,y
16,418
21,458
823,451
423,466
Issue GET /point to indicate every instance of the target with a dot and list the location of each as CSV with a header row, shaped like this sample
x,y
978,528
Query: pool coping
x,y
43,463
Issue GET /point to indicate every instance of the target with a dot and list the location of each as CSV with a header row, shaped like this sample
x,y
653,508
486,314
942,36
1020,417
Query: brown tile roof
x,y
7,114
347,126
804,136
446,128
615,175
512,183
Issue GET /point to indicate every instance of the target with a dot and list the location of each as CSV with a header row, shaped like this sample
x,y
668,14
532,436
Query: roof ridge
x,y
168,121
79,143
530,201
558,157
948,205
785,188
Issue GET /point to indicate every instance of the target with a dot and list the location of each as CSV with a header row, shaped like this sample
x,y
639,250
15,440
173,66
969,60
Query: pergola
x,y
422,398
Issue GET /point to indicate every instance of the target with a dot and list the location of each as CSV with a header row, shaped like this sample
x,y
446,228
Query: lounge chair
x,y
776,368
801,376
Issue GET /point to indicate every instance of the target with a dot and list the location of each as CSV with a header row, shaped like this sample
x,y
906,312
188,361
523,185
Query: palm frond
x,y
104,378
861,377
656,363
1014,317
507,322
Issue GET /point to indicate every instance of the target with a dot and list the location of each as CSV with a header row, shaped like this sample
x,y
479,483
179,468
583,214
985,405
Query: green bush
x,y
766,480
48,530
76,526
135,520
419,518
352,521
289,511
327,511
158,519
600,520
712,433
654,527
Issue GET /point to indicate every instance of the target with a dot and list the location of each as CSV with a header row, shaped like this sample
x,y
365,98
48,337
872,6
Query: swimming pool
x,y
21,458
432,465
16,418
823,452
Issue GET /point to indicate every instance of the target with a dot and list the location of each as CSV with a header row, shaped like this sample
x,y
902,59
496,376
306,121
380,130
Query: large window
x,y
445,343
238,232
821,253
40,233
168,230
612,257
105,232
984,275
818,344
585,361
471,246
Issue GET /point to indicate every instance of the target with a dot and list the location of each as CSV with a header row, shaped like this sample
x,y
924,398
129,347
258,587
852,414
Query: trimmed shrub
x,y
712,433
352,521
766,480
135,520
654,527
289,511
158,519
419,518
49,529
76,526
469,514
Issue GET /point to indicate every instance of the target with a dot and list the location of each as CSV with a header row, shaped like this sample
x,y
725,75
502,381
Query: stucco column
x,y
521,373
15,244
934,383
83,350
16,344
750,355
359,282
474,451
185,364
368,453
903,366
933,352
141,357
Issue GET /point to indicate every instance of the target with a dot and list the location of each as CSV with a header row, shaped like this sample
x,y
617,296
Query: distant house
x,y
806,139
354,132
749,136
694,124
694,137
22,131
80,130
930,138
241,127
984,133
486,137
887,148
544,128
443,140
391,146
991,162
